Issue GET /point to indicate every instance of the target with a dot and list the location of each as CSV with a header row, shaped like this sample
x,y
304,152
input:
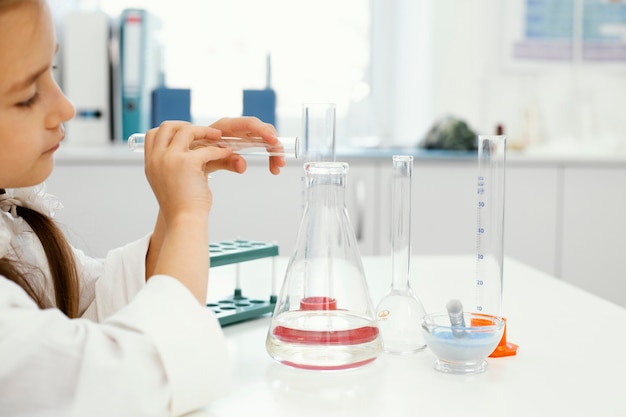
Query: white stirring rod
x,y
455,311
287,146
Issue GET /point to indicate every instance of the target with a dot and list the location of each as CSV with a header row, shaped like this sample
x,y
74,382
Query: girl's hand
x,y
177,173
246,127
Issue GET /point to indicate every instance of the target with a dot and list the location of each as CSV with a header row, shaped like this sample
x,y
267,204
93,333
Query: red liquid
x,y
356,336
329,368
318,303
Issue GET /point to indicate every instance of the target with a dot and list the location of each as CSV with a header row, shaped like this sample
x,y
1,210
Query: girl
x,y
126,335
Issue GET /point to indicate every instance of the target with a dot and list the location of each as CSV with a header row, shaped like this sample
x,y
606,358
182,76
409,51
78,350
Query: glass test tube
x,y
288,147
318,136
318,131
490,227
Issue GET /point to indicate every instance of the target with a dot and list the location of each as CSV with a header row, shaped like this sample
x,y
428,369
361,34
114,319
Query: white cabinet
x,y
444,212
594,230
567,218
443,209
531,215
257,205
363,201
106,204
109,203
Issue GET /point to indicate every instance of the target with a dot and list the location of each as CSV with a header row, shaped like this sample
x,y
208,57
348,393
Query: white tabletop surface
x,y
571,359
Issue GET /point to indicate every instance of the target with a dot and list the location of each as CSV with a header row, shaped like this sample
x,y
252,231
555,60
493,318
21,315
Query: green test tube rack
x,y
238,308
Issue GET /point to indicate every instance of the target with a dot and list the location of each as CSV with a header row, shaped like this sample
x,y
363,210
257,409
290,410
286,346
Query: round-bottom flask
x,y
324,317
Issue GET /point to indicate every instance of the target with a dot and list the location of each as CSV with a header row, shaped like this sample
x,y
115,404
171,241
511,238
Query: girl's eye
x,y
29,102
35,97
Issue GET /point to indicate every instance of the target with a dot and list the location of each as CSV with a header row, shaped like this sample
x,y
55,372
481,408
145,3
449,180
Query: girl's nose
x,y
61,110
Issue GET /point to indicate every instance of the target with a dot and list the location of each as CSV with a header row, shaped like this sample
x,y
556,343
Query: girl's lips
x,y
54,148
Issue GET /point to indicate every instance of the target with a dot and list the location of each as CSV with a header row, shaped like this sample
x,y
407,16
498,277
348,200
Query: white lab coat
x,y
139,349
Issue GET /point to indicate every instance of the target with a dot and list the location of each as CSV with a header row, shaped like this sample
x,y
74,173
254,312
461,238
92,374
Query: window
x,y
370,57
319,52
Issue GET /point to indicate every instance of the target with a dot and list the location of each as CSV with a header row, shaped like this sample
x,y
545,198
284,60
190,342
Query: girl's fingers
x,y
253,127
186,136
183,136
247,127
234,163
180,135
276,163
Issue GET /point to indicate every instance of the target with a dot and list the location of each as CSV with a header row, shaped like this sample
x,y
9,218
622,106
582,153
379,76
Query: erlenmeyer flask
x,y
400,310
324,317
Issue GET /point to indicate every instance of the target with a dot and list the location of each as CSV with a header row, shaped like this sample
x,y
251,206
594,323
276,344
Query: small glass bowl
x,y
462,350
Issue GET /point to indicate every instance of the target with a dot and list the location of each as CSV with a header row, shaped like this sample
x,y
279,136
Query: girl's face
x,y
32,107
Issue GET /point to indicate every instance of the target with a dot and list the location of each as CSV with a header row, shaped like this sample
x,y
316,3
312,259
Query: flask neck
x,y
401,221
326,183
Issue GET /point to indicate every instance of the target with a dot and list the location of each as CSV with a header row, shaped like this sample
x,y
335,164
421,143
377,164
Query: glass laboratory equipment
x,y
462,350
324,317
288,147
490,231
318,131
400,310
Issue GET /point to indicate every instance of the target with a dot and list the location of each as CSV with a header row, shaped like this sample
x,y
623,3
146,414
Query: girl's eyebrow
x,y
29,80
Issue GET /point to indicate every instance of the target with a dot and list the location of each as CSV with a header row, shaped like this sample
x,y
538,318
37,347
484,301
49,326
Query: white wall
x,y
438,57
474,81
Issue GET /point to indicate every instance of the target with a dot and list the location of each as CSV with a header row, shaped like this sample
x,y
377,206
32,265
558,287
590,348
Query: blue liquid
x,y
472,346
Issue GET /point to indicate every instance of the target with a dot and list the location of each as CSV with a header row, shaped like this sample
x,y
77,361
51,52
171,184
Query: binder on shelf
x,y
170,104
139,68
86,77
261,104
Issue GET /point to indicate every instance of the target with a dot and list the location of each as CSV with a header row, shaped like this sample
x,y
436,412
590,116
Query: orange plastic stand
x,y
504,348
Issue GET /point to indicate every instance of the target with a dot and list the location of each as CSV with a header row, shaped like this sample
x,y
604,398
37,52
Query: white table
x,y
571,359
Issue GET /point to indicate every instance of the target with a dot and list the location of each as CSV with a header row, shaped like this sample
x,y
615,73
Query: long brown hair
x,y
58,251
60,261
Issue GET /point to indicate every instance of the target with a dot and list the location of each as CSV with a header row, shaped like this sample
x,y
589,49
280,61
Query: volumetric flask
x,y
324,317
400,311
